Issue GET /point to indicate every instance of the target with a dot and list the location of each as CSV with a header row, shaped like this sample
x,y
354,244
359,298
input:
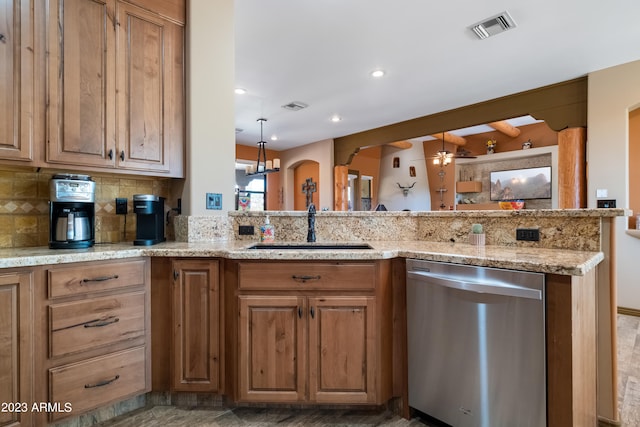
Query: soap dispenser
x,y
267,232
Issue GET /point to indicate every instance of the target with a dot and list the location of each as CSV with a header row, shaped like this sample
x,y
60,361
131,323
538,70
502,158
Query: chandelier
x,y
442,157
263,166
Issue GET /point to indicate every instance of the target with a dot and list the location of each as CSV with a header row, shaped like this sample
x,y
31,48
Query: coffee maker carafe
x,y
71,211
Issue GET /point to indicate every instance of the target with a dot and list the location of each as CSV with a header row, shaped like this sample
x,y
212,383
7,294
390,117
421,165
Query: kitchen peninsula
x,y
227,279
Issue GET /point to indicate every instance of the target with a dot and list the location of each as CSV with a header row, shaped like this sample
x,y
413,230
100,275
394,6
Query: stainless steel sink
x,y
313,246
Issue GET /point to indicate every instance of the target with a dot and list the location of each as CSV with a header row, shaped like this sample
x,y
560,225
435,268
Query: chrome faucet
x,y
311,234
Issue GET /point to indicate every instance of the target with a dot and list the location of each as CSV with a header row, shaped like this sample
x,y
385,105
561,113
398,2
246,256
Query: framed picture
x,y
412,171
396,162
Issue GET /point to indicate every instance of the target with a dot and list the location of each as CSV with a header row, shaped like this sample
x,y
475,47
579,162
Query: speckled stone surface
x,y
569,239
203,228
529,259
575,229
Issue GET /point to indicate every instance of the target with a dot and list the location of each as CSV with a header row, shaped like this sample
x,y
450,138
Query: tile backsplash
x,y
24,206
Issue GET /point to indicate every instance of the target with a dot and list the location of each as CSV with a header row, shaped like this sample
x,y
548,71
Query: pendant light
x,y
443,157
263,166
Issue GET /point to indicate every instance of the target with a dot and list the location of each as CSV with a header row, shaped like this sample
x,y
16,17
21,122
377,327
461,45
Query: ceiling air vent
x,y
295,106
494,25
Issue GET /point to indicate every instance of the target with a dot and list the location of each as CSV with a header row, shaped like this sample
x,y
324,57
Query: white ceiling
x,y
321,53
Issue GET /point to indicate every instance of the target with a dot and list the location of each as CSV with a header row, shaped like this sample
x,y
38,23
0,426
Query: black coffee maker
x,y
149,210
71,211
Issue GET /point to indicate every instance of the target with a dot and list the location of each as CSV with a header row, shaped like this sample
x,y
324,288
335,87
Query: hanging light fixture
x,y
443,157
263,166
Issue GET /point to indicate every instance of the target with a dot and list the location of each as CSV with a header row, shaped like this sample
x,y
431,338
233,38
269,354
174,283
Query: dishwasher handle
x,y
484,287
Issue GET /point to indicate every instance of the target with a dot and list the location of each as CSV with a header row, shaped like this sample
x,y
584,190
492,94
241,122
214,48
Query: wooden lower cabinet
x,y
342,353
92,333
195,362
299,344
272,348
16,348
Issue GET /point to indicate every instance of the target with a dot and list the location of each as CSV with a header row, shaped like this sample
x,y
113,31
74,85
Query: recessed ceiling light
x,y
336,118
240,91
377,73
274,137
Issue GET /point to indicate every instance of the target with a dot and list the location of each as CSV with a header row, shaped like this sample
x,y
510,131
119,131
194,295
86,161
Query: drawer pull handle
x,y
305,278
102,383
100,279
102,322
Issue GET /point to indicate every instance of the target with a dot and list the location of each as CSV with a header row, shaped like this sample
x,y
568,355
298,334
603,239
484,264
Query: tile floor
x,y
628,387
629,370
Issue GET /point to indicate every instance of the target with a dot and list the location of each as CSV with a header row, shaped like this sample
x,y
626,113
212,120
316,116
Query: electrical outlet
x,y
606,203
245,230
528,234
121,206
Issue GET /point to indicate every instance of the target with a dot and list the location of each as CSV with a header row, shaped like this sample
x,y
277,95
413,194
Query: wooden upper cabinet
x,y
147,46
115,88
16,80
81,86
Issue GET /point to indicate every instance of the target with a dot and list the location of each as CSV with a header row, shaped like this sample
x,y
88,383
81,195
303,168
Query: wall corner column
x,y
341,183
572,173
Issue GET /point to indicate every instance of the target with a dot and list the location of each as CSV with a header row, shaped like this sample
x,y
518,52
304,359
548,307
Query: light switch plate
x,y
214,201
602,192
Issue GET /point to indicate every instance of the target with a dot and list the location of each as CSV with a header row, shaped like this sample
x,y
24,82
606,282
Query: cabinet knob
x,y
313,313
3,39
110,154
175,275
122,155
300,312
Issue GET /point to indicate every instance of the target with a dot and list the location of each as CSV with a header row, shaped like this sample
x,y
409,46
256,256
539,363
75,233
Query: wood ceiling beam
x,y
401,144
505,128
451,138
561,105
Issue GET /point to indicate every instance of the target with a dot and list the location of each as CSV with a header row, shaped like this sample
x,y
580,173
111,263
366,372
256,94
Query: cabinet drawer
x,y
95,382
83,325
95,277
306,276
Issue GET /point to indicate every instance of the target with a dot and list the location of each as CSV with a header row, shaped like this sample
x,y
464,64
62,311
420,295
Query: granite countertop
x,y
528,259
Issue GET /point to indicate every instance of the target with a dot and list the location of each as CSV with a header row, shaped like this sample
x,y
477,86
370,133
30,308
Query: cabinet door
x,y
272,349
81,82
342,357
15,347
146,48
195,359
16,80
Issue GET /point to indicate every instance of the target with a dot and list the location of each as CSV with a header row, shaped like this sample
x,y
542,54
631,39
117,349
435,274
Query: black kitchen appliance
x,y
149,211
71,211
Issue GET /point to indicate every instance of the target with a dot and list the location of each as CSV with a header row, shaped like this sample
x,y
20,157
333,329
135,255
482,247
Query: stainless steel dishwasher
x,y
476,344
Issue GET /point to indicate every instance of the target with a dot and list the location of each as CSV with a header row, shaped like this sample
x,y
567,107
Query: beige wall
x,y
210,106
634,161
613,93
321,152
